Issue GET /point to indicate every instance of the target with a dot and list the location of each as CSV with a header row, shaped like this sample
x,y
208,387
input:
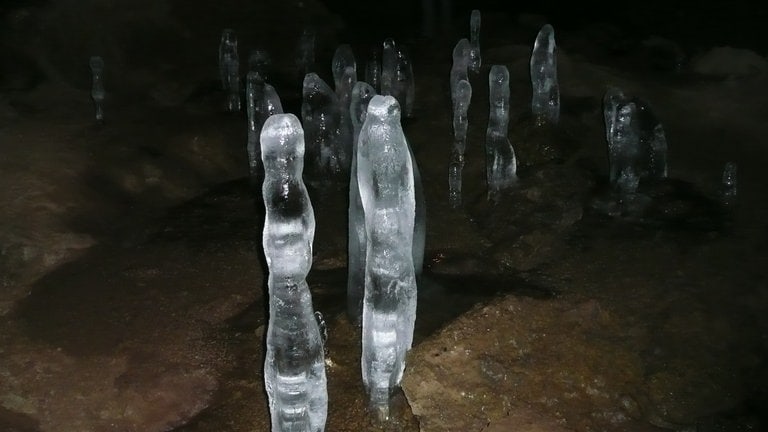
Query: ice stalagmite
x,y
229,69
321,117
461,102
344,90
259,62
227,51
730,190
475,59
623,145
460,65
545,101
373,70
306,52
388,67
385,178
262,101
637,146
405,83
98,93
356,246
501,163
294,368
343,58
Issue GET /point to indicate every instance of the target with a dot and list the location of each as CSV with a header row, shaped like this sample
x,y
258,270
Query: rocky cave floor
x,y
132,283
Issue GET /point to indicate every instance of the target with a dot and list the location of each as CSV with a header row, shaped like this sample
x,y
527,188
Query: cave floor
x,y
134,285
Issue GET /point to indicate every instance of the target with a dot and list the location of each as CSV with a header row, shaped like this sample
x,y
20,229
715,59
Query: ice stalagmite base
x,y
462,98
294,369
385,177
501,163
545,101
356,242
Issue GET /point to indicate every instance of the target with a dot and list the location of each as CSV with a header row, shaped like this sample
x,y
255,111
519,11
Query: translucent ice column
x,y
462,98
343,58
388,67
229,69
475,59
227,51
356,246
460,66
321,117
405,82
729,191
344,89
294,368
259,62
385,177
637,146
501,163
98,94
545,102
623,142
262,101
306,52
373,70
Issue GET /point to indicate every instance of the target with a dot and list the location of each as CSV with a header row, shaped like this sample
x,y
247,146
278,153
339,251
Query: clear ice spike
x,y
475,59
501,163
462,99
343,58
459,67
227,52
356,244
545,101
385,177
294,367
98,94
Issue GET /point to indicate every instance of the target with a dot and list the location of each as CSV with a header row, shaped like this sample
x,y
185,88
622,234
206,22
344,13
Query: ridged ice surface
x,y
294,368
385,177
